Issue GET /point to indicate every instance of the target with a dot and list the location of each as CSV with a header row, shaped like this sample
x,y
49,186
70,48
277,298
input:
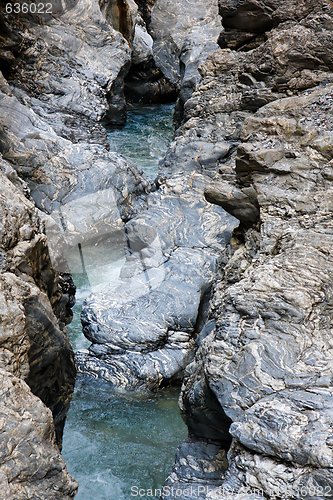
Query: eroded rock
x,y
30,462
143,325
265,357
183,38
34,349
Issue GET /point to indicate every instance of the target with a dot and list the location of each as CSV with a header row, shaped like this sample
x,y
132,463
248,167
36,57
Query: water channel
x,y
115,441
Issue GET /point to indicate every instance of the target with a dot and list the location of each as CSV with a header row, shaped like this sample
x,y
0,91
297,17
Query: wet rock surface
x,y
183,38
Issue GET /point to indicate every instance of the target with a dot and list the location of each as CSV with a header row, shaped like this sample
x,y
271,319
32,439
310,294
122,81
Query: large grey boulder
x,y
54,139
143,324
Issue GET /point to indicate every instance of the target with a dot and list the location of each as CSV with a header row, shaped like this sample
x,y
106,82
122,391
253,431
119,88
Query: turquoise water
x,y
145,137
114,441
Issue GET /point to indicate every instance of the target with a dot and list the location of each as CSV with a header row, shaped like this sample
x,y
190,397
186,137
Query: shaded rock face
x,y
145,8
53,136
183,38
36,360
260,123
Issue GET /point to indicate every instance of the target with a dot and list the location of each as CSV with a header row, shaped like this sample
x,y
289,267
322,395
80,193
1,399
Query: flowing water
x,y
145,137
115,441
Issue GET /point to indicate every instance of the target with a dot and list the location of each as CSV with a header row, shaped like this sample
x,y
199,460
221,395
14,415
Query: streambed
x,y
114,441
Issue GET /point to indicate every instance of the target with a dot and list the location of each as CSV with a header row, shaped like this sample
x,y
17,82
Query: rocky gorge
x,y
225,281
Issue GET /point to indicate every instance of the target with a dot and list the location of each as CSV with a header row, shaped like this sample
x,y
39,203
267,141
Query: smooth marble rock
x,y
172,253
122,16
62,76
145,82
183,38
51,131
76,62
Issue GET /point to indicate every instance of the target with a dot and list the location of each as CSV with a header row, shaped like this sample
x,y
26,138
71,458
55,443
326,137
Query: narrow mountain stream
x,y
115,441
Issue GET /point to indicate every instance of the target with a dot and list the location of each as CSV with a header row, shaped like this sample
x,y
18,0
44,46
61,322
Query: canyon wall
x,y
36,361
259,391
61,76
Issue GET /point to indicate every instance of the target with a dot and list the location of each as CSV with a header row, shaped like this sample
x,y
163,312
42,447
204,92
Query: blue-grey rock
x,y
144,323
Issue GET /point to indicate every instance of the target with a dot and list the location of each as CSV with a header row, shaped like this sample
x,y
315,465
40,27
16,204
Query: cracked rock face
x,y
262,373
269,361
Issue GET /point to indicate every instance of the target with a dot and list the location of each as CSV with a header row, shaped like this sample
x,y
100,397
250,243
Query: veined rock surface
x,y
143,330
184,35
61,77
261,378
255,145
36,361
